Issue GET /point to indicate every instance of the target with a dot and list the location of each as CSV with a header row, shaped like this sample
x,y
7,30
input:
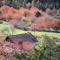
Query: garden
x,y
29,30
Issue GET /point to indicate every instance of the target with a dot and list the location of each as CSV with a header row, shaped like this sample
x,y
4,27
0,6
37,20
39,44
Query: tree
x,y
34,2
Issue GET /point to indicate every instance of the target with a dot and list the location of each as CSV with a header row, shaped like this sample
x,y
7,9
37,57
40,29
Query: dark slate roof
x,y
21,37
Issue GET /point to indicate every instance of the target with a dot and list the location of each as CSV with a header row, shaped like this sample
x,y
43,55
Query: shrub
x,y
40,51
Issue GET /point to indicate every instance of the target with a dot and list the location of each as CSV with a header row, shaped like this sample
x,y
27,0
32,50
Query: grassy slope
x,y
36,33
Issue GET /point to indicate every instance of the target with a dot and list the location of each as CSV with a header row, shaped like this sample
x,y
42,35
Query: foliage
x,y
32,20
45,49
52,53
6,28
43,4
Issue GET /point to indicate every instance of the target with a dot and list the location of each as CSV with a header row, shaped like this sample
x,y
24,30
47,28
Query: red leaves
x,y
33,10
40,23
1,50
21,11
5,9
8,47
46,22
10,12
53,22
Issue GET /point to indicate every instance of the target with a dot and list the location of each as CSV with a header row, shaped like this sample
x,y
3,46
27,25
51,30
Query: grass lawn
x,y
19,31
36,33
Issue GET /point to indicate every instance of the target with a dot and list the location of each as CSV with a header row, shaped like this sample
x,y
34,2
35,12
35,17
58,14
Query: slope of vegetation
x,y
45,49
41,18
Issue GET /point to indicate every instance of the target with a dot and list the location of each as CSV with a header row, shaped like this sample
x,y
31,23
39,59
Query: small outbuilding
x,y
26,40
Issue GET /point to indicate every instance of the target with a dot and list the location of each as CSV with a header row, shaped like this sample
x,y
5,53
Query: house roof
x,y
21,37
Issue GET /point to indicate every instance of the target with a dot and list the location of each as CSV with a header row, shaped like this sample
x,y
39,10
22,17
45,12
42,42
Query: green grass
x,y
36,33
19,31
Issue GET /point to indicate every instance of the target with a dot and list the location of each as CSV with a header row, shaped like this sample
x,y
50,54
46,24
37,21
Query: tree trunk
x,y
33,2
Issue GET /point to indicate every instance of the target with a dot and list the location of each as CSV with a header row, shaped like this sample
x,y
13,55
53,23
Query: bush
x,y
41,51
